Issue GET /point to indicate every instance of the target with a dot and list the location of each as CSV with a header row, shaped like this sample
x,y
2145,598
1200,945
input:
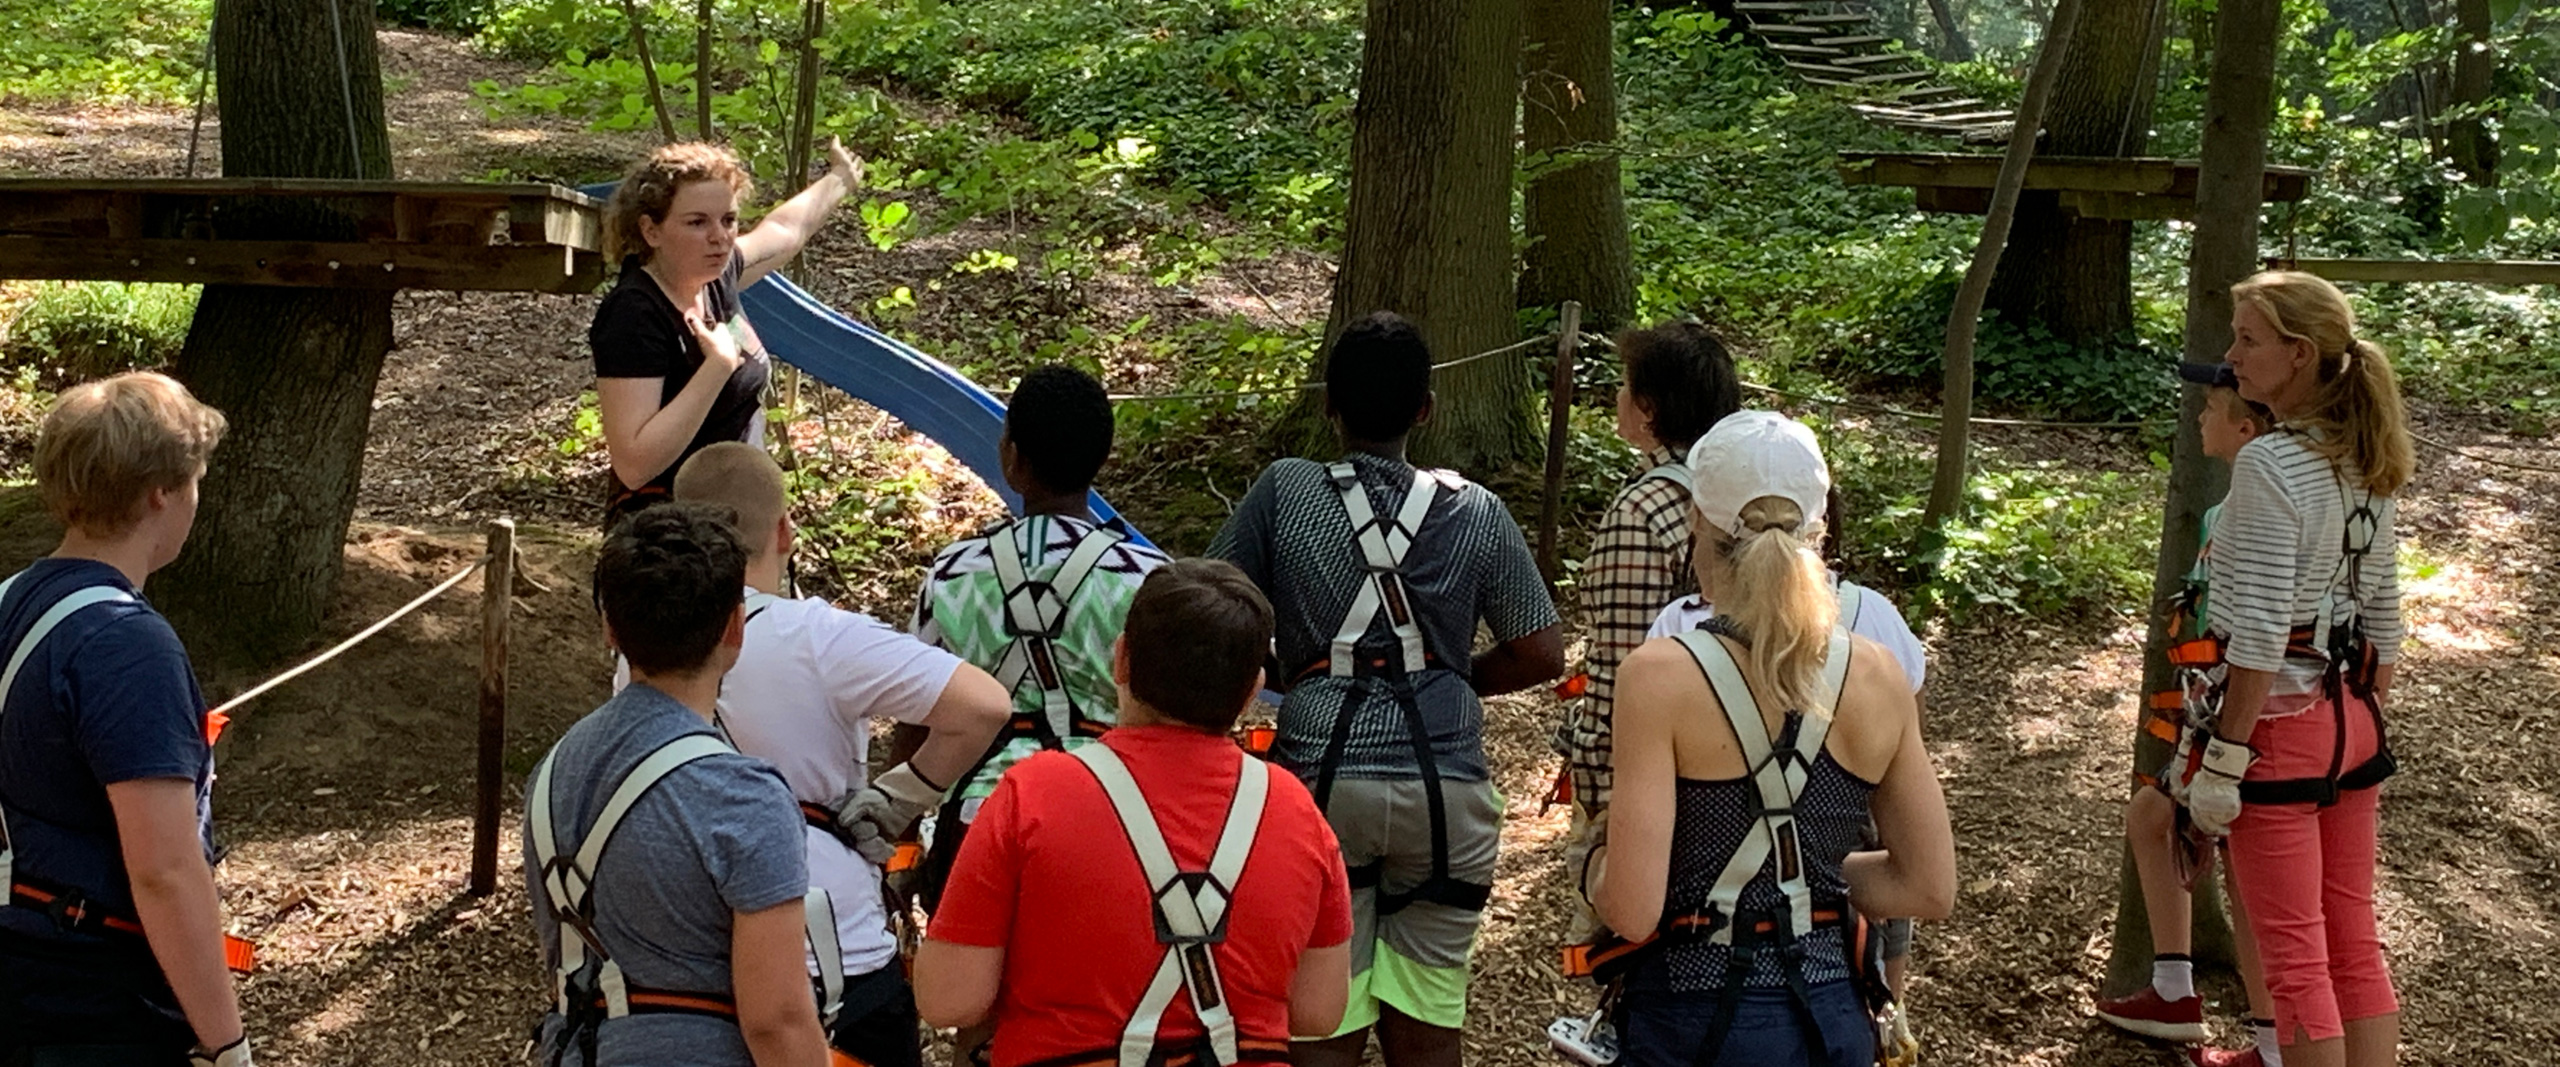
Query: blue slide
x,y
889,374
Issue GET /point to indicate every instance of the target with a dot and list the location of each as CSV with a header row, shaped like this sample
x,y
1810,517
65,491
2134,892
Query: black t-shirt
x,y
639,333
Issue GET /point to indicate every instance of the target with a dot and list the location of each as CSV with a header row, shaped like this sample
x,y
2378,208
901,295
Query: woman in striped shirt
x,y
2307,599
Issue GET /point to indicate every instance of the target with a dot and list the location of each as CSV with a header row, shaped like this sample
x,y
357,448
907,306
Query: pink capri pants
x,y
2305,874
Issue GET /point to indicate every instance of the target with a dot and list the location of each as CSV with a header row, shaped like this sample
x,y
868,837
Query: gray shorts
x,y
1388,822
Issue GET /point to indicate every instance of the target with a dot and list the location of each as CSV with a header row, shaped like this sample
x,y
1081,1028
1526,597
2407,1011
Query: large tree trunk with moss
x,y
2468,143
294,369
1429,235
1575,212
2070,275
2239,101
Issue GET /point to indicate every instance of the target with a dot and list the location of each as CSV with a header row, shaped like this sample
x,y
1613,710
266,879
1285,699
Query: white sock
x,y
2263,1031
2173,977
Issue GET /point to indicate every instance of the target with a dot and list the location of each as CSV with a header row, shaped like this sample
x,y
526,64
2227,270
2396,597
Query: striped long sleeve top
x,y
2282,546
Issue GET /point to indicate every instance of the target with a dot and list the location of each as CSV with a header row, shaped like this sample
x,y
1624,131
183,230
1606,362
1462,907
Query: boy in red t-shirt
x,y
1051,920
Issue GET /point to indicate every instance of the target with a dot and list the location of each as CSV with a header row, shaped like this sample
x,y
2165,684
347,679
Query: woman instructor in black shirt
x,y
677,365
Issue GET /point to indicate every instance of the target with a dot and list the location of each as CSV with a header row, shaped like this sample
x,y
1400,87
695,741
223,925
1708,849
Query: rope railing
x,y
498,564
307,666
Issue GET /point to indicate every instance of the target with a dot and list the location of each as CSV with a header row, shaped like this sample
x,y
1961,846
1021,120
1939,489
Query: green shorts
x,y
1415,959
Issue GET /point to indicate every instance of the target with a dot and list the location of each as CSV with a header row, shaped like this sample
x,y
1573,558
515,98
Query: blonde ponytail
x,y
1780,603
2357,410
2361,410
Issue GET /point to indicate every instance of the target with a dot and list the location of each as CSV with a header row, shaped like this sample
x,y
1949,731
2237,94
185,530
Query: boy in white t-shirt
x,y
809,680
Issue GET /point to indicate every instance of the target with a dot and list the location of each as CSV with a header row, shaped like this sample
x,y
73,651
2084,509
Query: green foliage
x,y
103,49
586,428
75,331
2035,538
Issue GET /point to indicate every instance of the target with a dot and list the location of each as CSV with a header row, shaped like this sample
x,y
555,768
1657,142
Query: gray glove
x,y
235,1054
872,818
2213,795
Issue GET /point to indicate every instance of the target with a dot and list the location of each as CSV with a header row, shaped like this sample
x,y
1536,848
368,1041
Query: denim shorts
x,y
1667,1029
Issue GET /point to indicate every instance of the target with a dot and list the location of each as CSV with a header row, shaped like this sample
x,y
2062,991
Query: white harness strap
x,y
62,609
1035,613
1780,778
570,885
818,918
1383,546
1190,906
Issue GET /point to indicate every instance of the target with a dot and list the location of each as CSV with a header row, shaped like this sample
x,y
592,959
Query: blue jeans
x,y
1667,1029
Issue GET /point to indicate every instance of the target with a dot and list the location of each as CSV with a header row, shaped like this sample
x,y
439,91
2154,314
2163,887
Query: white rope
x,y
1310,387
307,665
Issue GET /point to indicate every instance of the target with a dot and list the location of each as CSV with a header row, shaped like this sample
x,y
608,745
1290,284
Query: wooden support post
x,y
1559,414
497,592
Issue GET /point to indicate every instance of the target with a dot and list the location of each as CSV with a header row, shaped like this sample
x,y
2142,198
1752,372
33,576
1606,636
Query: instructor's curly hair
x,y
649,189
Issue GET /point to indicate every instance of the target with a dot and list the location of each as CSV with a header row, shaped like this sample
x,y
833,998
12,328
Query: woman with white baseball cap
x,y
1750,755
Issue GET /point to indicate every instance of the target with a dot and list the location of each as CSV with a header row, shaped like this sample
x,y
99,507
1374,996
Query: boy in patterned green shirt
x,y
1037,601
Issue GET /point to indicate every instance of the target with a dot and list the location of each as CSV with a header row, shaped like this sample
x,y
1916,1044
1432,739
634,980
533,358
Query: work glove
x,y
2213,794
235,1054
872,818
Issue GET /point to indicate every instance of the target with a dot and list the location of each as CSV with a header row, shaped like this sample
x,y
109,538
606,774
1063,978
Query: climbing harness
x,y
1383,545
2187,714
588,987
1191,919
1035,618
1780,768
70,908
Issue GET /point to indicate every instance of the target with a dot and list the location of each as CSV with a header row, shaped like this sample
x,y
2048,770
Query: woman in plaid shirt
x,y
1678,381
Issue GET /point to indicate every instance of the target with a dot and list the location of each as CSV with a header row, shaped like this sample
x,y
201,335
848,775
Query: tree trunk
x,y
1952,44
1946,487
649,71
294,369
702,71
1429,234
2239,101
1575,212
2074,276
2468,143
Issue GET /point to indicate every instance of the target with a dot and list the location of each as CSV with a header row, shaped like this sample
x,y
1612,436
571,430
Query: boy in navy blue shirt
x,y
111,947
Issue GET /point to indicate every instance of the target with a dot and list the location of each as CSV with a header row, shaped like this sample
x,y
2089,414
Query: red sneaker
x,y
2209,1056
2146,1014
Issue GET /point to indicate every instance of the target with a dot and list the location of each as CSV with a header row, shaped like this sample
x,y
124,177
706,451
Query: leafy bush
x,y
75,331
103,49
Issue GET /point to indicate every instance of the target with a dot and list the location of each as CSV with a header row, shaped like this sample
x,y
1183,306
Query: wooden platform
x,y
385,235
2476,271
2098,188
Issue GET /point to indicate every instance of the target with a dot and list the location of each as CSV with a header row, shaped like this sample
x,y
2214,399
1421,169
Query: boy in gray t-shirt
x,y
697,892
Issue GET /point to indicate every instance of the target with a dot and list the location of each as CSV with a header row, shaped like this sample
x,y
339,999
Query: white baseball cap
x,y
1755,454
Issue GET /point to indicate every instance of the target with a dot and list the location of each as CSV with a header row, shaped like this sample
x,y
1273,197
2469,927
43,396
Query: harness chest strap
x,y
568,885
1383,546
1778,775
1035,615
1190,907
